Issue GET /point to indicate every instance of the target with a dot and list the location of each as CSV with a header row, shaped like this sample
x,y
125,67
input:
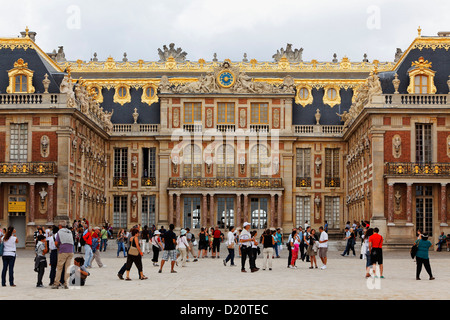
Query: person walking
x,y
53,254
288,245
230,247
255,251
216,239
295,245
157,246
422,256
268,242
169,239
103,239
323,247
313,246
145,239
366,250
191,241
121,243
64,243
135,255
350,237
305,242
245,241
40,261
376,251
203,243
183,247
10,241
96,245
88,254
279,241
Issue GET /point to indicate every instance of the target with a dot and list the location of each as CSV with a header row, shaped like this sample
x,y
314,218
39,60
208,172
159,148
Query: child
x,y
78,272
40,262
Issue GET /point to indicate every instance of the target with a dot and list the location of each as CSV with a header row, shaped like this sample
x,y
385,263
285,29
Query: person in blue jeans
x,y
88,255
9,255
121,243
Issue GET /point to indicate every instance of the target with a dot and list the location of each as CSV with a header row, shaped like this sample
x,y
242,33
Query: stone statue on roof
x,y
178,54
292,55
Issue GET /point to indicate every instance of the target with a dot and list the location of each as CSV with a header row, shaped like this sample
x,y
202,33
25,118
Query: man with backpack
x,y
190,238
88,255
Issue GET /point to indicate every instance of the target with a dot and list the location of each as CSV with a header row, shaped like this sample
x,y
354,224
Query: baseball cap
x,y
246,224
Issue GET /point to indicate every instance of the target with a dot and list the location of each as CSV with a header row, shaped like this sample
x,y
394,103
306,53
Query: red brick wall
x,y
36,145
405,146
2,146
442,146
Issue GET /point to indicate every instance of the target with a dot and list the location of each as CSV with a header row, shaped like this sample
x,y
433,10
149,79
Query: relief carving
x,y
396,146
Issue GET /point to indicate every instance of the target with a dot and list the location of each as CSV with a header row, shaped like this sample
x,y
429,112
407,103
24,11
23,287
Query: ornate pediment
x,y
227,79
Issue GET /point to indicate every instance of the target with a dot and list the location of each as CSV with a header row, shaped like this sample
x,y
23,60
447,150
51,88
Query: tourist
x,y
326,226
294,245
279,241
78,237
192,243
376,251
301,247
422,257
169,239
366,250
121,243
350,237
313,246
323,247
40,261
64,243
145,239
88,254
53,254
183,247
135,255
306,243
103,239
230,246
288,245
78,273
162,230
245,241
441,241
96,240
202,243
268,242
255,251
9,255
157,246
217,239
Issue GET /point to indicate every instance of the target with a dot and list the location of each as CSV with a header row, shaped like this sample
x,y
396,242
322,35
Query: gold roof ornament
x,y
419,31
27,32
421,64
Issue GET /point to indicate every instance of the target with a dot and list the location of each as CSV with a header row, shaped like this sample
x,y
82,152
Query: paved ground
x,y
209,279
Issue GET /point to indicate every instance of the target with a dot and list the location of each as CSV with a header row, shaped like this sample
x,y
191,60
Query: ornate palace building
x,y
206,143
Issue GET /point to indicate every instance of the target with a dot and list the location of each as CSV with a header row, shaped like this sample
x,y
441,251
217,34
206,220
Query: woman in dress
x,y
9,255
157,246
313,246
203,243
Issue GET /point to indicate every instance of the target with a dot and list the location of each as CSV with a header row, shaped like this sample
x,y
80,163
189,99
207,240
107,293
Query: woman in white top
x,y
9,255
182,246
230,247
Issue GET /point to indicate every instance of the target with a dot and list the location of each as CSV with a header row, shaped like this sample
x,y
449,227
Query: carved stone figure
x,y
242,118
398,198
134,163
60,55
164,85
209,118
176,117
276,118
42,195
45,142
291,55
178,54
318,115
374,86
135,115
396,145
396,83
46,83
67,88
108,123
318,163
398,54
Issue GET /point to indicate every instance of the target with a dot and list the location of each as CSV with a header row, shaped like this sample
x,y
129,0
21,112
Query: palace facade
x,y
216,143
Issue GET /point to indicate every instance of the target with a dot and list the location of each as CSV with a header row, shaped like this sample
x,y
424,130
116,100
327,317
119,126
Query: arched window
x,y
225,161
192,161
421,84
20,83
259,161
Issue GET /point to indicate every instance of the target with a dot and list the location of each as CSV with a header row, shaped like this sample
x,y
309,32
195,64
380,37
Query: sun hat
x,y
246,224
183,232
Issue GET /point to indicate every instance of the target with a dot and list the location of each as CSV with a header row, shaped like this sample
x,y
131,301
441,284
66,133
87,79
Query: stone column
x,y
279,210
409,204
246,208
444,205
211,210
272,210
178,211
378,218
238,211
391,203
50,203
170,207
204,211
32,201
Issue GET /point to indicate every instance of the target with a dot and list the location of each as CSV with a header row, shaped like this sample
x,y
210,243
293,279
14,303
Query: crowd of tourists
x,y
72,249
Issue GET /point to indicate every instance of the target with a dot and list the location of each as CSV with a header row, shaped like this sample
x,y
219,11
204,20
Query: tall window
x,y
192,212
192,161
302,210
192,112
332,211
120,162
423,143
259,161
331,163
19,142
20,83
225,113
259,113
148,211
424,209
120,212
225,212
149,162
421,84
303,162
258,208
225,161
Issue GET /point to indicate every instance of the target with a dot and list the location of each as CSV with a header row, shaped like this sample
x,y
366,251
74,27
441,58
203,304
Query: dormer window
x,y
331,96
122,94
149,94
20,78
421,77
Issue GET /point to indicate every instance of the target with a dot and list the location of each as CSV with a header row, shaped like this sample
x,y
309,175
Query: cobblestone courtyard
x,y
209,279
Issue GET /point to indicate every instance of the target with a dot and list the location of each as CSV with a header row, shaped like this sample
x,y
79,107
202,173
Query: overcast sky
x,y
229,28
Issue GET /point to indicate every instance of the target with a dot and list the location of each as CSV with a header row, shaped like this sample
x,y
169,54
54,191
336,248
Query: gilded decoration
x,y
331,95
421,68
149,94
20,72
122,94
96,92
304,95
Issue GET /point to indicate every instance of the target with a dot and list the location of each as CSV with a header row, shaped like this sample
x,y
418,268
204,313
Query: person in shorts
x,y
169,239
376,251
217,238
323,247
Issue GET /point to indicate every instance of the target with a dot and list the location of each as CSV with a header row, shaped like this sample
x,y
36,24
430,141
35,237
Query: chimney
x,y
29,33
444,34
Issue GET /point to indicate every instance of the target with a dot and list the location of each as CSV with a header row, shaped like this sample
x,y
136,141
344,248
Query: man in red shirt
x,y
216,242
376,251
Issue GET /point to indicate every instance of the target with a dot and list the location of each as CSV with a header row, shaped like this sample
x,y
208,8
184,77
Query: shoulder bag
x,y
133,250
414,249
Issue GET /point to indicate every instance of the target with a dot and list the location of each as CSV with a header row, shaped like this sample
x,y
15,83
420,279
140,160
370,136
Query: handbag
x,y
1,248
414,249
133,250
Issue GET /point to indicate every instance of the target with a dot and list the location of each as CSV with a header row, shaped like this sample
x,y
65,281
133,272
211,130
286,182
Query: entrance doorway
x,y
258,207
191,217
424,209
225,212
19,223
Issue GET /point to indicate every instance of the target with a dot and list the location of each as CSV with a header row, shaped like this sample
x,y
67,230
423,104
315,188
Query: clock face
x,y
226,78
